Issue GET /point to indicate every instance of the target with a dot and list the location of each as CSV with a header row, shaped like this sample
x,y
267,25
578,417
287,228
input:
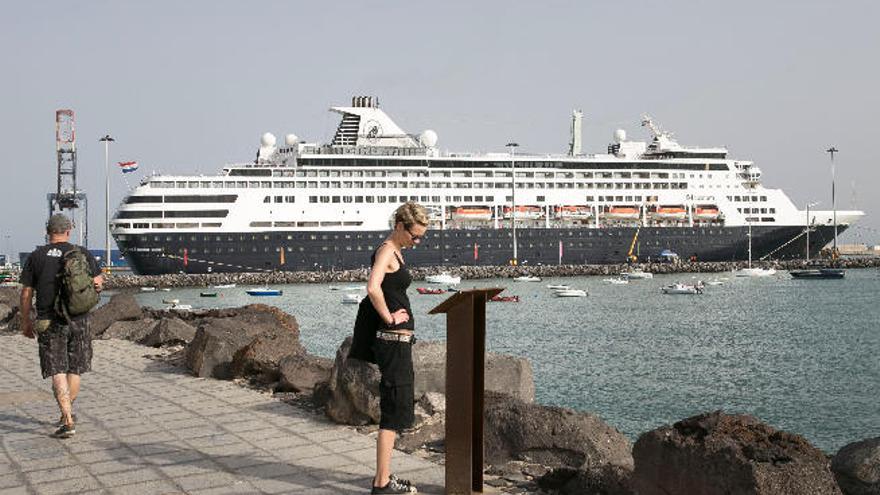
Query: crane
x,y
67,198
630,257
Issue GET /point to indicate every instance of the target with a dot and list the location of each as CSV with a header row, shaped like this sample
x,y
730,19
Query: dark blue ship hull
x,y
154,253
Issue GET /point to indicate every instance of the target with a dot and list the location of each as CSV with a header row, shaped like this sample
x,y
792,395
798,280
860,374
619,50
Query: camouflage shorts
x,y
65,348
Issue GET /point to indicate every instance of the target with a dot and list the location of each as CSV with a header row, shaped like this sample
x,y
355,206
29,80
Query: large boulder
x,y
608,480
857,467
134,330
251,340
261,357
551,436
717,453
168,331
354,384
120,307
10,296
6,313
302,372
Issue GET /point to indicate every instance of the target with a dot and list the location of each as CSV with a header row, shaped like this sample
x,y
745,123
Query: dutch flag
x,y
128,166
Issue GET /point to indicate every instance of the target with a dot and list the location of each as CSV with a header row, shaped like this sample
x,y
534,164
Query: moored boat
x,y
443,278
819,273
571,293
679,288
264,291
425,290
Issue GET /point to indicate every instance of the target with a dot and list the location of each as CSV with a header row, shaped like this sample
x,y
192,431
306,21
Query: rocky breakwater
x,y
118,281
9,306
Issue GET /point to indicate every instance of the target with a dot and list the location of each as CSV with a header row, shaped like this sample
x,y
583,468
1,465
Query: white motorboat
x,y
526,278
715,282
224,286
679,288
148,289
180,307
616,281
165,289
571,293
558,287
637,275
173,302
443,278
754,272
351,299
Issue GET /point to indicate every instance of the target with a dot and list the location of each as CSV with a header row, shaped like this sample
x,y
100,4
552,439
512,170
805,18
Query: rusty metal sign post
x,y
465,381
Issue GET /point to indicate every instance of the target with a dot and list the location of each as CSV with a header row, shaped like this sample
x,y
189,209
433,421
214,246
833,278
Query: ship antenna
x,y
831,151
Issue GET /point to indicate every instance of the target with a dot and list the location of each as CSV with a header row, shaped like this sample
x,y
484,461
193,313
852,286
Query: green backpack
x,y
76,288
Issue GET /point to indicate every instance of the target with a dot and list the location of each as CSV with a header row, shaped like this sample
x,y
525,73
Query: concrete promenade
x,y
147,427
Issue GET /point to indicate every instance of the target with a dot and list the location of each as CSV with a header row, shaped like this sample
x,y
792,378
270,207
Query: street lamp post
x,y
809,205
512,147
831,151
107,140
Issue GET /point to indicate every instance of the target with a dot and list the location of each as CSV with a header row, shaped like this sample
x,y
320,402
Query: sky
x,y
186,87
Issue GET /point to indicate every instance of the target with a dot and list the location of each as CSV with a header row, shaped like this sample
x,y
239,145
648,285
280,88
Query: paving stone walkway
x,y
147,427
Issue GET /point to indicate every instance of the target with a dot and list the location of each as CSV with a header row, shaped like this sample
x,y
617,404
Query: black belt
x,y
396,337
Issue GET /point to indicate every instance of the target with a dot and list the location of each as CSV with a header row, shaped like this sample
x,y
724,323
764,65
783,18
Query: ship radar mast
x,y
648,122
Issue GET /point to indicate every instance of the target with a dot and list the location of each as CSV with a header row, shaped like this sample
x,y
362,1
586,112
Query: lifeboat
x,y
524,212
504,299
669,213
425,290
622,213
574,212
472,213
706,212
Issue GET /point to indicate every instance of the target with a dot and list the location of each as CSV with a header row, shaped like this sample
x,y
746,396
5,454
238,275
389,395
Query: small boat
x,y
443,278
165,289
504,299
524,212
264,291
171,301
715,282
669,212
679,288
626,212
571,293
148,289
818,274
558,287
616,281
207,294
180,307
637,275
526,278
225,286
425,290
754,272
472,213
351,299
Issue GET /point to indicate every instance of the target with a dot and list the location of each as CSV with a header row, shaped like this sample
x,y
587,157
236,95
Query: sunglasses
x,y
413,236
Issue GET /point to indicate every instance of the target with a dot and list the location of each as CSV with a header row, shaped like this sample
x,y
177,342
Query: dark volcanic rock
x,y
301,372
857,467
354,384
607,480
6,313
552,436
129,330
121,307
716,453
242,341
169,331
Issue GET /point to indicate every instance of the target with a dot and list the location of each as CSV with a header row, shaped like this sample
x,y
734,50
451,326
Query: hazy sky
x,y
185,87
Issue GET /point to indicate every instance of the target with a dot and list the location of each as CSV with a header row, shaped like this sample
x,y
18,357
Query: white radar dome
x,y
428,138
619,135
291,139
268,139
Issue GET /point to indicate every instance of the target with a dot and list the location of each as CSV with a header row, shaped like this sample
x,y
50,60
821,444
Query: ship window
x,y
265,184
290,199
336,199
370,199
143,199
313,199
261,224
346,199
266,199
279,199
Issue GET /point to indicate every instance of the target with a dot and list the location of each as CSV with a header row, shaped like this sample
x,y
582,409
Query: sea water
x,y
801,355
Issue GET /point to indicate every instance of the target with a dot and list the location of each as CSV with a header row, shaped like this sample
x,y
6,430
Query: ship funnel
x,y
574,145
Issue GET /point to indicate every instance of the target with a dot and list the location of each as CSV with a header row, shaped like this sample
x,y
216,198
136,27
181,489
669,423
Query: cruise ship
x,y
311,206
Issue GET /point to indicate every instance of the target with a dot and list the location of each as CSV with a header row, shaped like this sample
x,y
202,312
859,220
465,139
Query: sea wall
x,y
117,281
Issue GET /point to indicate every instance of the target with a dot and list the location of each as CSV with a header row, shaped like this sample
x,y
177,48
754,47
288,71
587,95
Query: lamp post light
x,y
809,205
107,140
512,147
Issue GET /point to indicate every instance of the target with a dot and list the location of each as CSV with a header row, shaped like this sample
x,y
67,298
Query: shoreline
x,y
467,272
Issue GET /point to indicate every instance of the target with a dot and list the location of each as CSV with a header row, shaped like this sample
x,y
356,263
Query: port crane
x,y
67,198
630,257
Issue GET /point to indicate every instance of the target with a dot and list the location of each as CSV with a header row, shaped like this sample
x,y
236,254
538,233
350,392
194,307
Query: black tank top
x,y
394,287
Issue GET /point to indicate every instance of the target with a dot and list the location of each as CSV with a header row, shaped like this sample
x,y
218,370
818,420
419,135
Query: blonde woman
x,y
384,335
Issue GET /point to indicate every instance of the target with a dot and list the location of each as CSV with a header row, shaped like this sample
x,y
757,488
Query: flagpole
x,y
107,140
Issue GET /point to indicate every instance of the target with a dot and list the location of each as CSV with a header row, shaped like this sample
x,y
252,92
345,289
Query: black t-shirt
x,y
40,272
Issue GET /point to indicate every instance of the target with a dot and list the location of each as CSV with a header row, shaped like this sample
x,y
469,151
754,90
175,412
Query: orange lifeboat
x,y
622,213
530,212
472,213
706,212
669,213
573,212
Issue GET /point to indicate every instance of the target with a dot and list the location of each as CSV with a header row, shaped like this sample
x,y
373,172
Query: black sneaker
x,y
395,485
65,431
402,481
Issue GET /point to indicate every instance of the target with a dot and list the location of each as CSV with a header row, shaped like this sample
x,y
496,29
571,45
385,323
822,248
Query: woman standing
x,y
384,335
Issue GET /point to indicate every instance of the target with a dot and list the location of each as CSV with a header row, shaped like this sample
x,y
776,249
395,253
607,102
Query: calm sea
x,y
804,356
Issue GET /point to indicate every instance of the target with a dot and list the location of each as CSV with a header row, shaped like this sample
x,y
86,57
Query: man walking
x,y
64,340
